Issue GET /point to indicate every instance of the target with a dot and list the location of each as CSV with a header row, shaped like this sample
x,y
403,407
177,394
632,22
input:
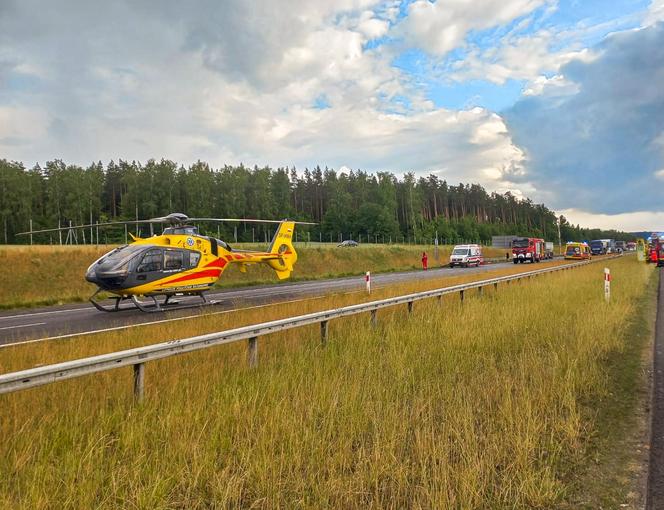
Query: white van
x,y
465,255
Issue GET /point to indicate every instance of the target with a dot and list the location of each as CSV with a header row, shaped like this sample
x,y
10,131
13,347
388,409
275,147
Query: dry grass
x,y
480,405
46,275
28,355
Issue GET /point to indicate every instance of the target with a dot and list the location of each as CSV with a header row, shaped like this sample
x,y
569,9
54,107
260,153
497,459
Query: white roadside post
x,y
607,284
367,278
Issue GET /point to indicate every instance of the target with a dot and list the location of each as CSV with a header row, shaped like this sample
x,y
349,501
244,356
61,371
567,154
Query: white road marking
x,y
25,325
31,314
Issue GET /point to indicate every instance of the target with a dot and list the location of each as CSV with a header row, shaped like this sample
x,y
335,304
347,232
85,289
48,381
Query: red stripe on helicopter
x,y
208,273
216,263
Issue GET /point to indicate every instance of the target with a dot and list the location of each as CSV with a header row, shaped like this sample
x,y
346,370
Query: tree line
x,y
354,204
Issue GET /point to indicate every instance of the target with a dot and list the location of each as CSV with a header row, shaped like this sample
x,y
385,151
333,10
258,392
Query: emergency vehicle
x,y
577,251
466,255
528,249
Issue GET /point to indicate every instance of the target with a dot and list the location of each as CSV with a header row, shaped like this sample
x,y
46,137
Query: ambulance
x,y
577,251
466,255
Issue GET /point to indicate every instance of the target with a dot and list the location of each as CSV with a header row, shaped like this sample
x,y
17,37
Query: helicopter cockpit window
x,y
151,262
173,260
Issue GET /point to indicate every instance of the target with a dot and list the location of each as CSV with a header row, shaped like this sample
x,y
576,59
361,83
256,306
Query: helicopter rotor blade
x,y
102,224
250,220
174,218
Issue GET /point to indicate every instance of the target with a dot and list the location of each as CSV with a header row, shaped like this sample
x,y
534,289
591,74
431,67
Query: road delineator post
x,y
367,279
607,284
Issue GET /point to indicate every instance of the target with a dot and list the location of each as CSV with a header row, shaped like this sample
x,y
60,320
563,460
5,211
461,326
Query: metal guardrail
x,y
137,357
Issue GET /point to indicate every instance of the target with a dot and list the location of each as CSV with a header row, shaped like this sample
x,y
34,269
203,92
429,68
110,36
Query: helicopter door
x,y
151,263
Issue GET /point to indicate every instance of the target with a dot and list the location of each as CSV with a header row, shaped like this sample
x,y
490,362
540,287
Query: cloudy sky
x,y
558,100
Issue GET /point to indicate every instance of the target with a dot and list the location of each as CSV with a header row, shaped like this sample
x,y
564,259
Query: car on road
x,y
348,243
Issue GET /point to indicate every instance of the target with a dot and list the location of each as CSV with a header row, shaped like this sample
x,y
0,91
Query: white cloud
x,y
655,12
439,27
520,57
186,90
638,221
556,85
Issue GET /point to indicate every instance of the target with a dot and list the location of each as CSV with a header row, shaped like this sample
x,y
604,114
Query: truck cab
x,y
598,247
528,249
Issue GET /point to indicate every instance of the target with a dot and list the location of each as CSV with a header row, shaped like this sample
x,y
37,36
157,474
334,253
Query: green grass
x,y
46,275
495,403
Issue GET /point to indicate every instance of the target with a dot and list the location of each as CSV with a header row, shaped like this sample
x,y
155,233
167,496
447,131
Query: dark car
x,y
349,243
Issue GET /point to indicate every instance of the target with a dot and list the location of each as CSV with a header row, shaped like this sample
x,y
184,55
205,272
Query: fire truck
x,y
657,251
653,248
528,249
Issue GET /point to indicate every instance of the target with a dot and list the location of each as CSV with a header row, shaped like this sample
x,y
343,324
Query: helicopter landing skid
x,y
167,305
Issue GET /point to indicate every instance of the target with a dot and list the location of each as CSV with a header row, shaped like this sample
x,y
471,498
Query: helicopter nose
x,y
91,276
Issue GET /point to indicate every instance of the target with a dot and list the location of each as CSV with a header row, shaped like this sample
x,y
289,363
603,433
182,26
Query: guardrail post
x,y
495,286
479,290
461,295
252,351
323,333
139,382
374,321
410,307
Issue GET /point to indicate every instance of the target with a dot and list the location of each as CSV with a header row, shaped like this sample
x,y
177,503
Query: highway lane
x,y
66,320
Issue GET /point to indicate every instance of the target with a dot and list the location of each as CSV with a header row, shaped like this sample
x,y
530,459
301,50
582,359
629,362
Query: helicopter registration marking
x,y
186,287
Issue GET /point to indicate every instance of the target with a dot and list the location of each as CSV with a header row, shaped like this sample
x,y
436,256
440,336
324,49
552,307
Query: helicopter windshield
x,y
121,255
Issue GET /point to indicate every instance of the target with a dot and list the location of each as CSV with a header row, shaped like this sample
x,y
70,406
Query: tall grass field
x,y
501,401
45,275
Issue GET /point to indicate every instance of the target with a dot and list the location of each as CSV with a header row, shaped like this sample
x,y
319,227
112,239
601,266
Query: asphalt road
x,y
655,498
64,320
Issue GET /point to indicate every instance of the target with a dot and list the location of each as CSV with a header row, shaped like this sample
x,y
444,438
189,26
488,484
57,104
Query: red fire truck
x,y
654,246
659,252
528,249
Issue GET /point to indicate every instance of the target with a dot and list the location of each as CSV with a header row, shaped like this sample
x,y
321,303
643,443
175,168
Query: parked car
x,y
348,243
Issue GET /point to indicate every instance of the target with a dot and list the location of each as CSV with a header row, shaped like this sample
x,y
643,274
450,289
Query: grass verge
x,y
27,355
47,275
492,403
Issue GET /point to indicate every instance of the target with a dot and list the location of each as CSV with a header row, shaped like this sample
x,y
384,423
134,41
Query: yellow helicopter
x,y
179,262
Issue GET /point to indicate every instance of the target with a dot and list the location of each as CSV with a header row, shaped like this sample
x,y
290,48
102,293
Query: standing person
x,y
425,260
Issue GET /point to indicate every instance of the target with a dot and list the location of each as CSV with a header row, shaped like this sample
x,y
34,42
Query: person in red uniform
x,y
425,260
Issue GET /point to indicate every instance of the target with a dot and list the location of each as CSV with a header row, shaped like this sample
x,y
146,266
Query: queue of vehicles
x,y
532,250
